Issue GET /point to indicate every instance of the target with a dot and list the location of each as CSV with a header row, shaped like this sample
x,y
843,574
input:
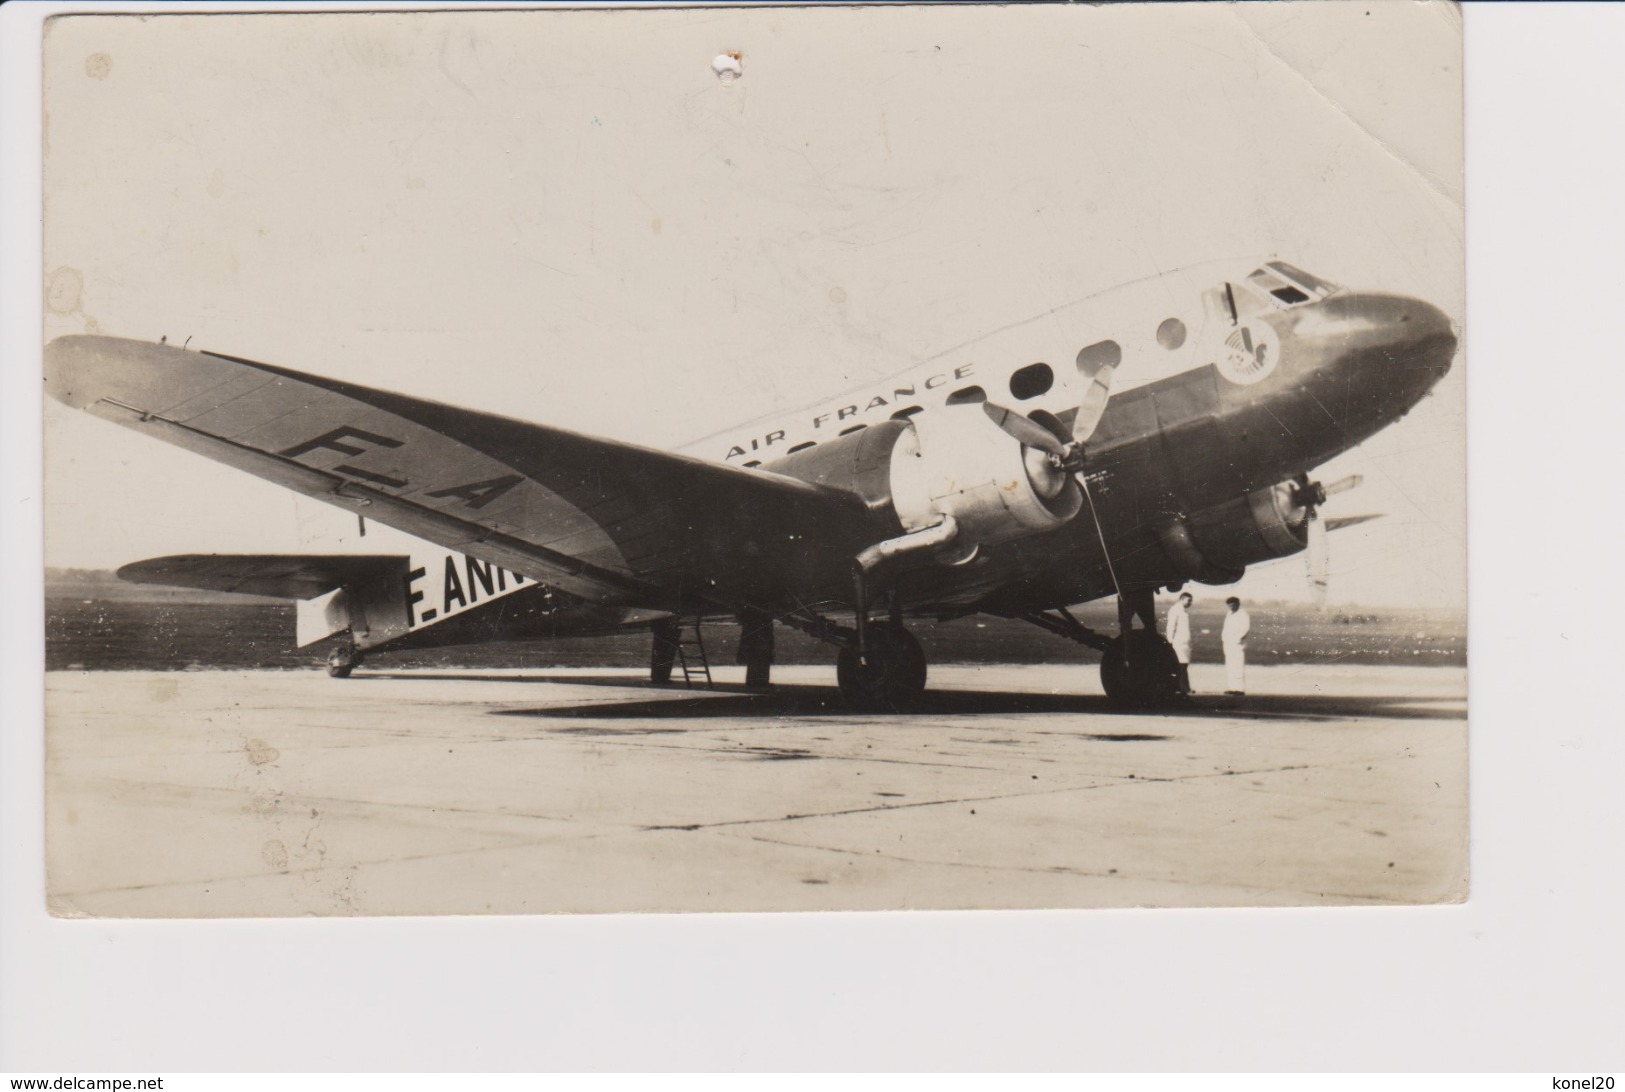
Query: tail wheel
x,y
1148,678
892,680
342,661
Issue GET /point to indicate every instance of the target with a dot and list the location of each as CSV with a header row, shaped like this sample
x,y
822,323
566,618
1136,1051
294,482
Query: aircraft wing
x,y
601,519
282,576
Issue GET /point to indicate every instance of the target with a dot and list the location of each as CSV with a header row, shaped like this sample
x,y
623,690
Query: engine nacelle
x,y
1217,543
952,461
956,462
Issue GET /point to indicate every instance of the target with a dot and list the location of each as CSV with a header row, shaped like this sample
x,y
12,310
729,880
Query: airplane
x,y
1158,433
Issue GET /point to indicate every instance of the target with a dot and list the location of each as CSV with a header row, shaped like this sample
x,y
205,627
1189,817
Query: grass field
x,y
180,633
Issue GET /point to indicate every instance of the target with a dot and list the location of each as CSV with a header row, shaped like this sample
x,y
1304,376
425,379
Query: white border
x,y
1525,976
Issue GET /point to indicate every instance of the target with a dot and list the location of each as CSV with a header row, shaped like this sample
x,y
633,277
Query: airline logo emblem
x,y
1249,355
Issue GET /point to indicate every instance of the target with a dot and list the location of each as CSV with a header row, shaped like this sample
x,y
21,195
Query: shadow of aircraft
x,y
730,701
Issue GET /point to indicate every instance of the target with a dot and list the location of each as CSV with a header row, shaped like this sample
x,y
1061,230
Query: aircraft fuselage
x,y
1229,384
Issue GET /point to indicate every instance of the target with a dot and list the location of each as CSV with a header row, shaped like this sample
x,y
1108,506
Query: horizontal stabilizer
x,y
282,576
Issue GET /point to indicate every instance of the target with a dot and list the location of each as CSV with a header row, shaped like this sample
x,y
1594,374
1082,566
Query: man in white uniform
x,y
1236,626
1179,635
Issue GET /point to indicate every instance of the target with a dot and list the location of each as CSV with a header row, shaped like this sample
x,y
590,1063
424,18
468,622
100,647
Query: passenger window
x,y
854,428
802,447
905,413
1051,422
753,462
967,394
1031,381
1102,354
1171,334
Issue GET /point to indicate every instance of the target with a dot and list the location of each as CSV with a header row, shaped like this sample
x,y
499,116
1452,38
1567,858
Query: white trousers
x,y
1235,667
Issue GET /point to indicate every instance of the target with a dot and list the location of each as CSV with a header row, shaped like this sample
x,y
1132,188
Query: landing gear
x,y
1138,669
343,660
756,648
667,632
890,678
1135,603
1143,675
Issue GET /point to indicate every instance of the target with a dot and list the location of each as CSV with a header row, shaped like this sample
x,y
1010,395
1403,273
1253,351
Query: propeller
x,y
1067,455
1099,372
1318,558
1027,431
1310,495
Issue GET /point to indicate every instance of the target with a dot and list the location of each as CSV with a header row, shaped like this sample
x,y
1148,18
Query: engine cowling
x,y
1216,544
953,462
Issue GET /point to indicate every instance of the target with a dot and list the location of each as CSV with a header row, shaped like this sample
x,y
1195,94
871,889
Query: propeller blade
x,y
1319,557
1024,429
1343,485
1337,523
1093,406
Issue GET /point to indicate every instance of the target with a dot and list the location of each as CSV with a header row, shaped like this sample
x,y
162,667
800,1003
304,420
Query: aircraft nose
x,y
1375,355
1398,334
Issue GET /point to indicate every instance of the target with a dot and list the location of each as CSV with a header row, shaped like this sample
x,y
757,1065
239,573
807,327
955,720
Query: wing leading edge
x,y
598,518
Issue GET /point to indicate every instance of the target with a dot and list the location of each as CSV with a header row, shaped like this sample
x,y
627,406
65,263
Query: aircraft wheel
x,y
1152,677
894,678
342,661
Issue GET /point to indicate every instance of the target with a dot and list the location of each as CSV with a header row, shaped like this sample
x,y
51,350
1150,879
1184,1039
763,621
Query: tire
x,y
1151,680
341,662
894,678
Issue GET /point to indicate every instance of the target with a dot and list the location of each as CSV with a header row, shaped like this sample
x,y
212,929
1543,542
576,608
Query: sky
x,y
567,217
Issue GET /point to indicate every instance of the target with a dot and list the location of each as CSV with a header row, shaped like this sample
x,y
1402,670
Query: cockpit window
x,y
1232,299
1272,280
1307,281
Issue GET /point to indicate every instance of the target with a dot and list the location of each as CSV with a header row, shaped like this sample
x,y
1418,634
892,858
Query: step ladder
x,y
691,655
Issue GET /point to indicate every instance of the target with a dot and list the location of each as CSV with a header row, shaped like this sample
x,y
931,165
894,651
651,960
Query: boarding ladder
x,y
691,655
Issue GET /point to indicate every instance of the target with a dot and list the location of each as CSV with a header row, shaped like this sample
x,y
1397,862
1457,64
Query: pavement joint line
x,y
1047,791
645,743
1109,781
518,842
1055,870
295,797
304,870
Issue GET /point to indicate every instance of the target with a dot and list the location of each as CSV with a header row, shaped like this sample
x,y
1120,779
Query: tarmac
x,y
281,793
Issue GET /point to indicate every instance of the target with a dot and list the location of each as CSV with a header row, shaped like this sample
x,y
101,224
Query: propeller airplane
x,y
1158,433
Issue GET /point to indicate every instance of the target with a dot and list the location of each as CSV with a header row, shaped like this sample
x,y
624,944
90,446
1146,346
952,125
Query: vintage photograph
x,y
747,459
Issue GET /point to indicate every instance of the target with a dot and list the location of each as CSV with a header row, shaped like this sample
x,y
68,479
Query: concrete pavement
x,y
274,793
